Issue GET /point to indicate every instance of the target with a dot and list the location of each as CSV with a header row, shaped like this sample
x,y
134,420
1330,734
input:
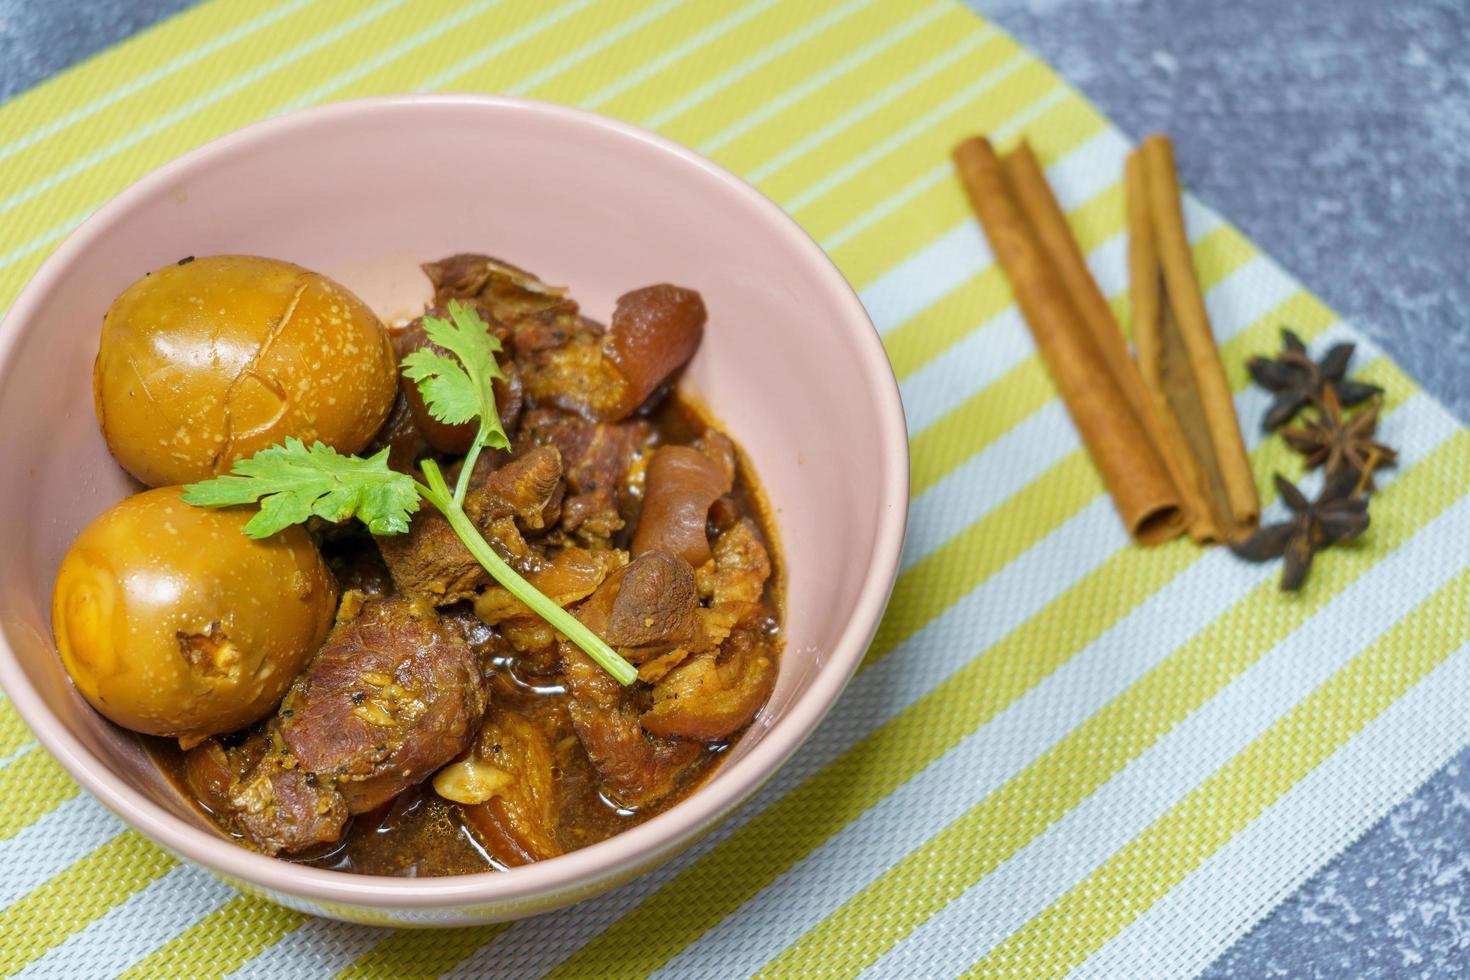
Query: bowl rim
x,y
632,851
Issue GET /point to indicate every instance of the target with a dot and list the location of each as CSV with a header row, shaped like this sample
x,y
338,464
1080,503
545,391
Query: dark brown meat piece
x,y
358,566
510,294
713,695
257,790
212,770
391,696
682,483
739,568
431,563
528,488
635,767
654,332
282,807
655,603
595,456
607,376
442,436
592,516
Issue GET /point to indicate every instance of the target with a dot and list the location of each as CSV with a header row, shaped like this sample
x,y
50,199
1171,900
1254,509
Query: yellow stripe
x,y
989,109
89,188
906,895
32,785
420,953
612,50
96,80
221,942
842,95
705,61
78,896
944,322
125,118
110,133
1197,826
942,206
775,839
781,75
585,26
962,63
14,735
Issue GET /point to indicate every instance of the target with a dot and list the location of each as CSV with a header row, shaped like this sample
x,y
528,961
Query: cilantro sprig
x,y
461,389
293,482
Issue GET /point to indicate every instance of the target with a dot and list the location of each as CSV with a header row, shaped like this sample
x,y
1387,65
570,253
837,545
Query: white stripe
x,y
137,927
986,480
961,253
155,125
147,78
904,134
502,44
1316,819
942,171
1053,862
396,51
756,61
876,102
690,44
601,43
836,69
25,748
815,887
48,846
386,56
324,946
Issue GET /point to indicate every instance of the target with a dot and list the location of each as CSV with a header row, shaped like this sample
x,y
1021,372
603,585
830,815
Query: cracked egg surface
x,y
212,359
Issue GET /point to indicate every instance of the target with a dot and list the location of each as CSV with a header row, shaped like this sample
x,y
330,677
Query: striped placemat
x,y
1062,752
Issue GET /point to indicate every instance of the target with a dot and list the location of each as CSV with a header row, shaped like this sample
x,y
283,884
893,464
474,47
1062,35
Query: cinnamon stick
x,y
1130,466
1145,286
1185,302
1044,213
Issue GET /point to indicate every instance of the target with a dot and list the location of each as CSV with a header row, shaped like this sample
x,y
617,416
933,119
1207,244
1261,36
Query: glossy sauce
x,y
420,834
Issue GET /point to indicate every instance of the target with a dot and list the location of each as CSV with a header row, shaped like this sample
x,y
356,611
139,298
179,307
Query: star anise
x,y
1297,380
1335,443
1338,514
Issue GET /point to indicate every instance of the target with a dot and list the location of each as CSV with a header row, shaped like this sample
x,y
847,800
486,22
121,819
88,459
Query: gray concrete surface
x,y
1336,133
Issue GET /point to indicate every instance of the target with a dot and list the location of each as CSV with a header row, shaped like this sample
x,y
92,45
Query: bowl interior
x,y
364,194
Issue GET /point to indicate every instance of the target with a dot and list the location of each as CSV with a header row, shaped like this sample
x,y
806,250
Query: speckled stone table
x,y
1336,134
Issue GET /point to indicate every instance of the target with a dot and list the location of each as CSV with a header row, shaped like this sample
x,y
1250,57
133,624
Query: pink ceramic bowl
x,y
364,191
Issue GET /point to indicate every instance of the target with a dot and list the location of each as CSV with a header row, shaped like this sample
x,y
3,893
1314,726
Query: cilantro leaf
x,y
459,392
293,482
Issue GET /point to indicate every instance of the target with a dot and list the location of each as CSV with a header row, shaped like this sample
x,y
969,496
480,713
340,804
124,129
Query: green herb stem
x,y
462,486
437,493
